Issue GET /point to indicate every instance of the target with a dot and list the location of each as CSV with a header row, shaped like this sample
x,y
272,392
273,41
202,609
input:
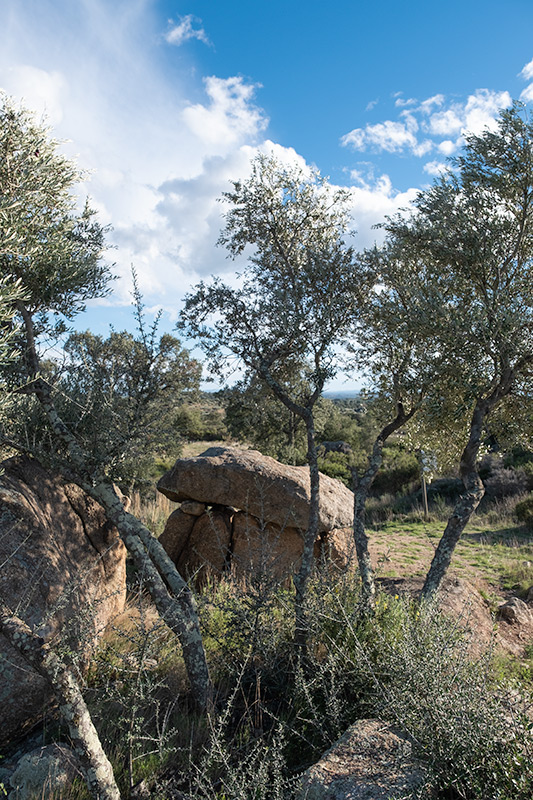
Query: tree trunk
x,y
467,504
361,488
360,494
425,497
97,770
301,578
177,606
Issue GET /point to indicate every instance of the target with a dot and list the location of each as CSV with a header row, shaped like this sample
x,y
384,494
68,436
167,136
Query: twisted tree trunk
x,y
97,770
474,489
361,488
170,593
301,578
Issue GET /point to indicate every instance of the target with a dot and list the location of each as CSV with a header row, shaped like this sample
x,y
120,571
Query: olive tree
x,y
472,235
9,294
296,298
403,365
53,256
120,395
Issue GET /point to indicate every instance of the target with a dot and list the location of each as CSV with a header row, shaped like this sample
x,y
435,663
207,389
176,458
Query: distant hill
x,y
341,394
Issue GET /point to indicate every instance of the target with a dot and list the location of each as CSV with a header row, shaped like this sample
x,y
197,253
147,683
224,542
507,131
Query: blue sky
x,y
166,102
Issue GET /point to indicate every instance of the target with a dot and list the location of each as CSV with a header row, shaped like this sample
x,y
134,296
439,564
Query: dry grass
x,y
192,449
153,511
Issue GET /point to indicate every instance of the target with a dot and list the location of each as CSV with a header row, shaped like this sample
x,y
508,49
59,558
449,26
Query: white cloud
x,y
390,136
401,102
357,139
482,109
192,212
185,30
42,91
229,118
447,147
434,167
421,125
96,70
527,94
475,115
427,105
527,71
423,148
370,204
445,123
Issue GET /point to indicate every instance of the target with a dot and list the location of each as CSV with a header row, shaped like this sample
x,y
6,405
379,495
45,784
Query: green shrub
x,y
518,457
336,465
400,469
524,511
473,735
276,713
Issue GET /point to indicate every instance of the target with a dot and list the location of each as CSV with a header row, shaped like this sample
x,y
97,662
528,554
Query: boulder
x,y
372,761
515,612
260,485
264,548
221,538
176,534
208,545
43,772
339,547
63,572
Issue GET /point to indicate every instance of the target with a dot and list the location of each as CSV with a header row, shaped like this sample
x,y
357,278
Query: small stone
x,y
44,770
515,612
140,791
193,508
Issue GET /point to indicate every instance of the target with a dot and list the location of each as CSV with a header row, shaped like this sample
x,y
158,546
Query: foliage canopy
x,y
54,251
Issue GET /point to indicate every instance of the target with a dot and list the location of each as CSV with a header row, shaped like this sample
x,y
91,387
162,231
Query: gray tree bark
x,y
170,593
361,487
301,579
474,489
97,770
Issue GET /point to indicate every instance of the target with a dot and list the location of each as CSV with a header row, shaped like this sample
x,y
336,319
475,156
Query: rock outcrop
x,y
372,761
63,572
245,511
267,490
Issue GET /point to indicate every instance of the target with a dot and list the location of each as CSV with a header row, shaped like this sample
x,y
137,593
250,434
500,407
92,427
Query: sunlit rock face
x,y
63,572
372,761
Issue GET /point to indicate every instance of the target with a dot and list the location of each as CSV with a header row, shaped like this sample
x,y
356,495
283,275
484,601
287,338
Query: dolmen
x,y
246,512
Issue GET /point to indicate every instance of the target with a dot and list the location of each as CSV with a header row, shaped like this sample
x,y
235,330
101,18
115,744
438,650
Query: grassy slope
x,y
496,555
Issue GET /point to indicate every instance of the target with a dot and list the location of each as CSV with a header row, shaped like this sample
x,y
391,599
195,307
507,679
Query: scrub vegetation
x,y
232,691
